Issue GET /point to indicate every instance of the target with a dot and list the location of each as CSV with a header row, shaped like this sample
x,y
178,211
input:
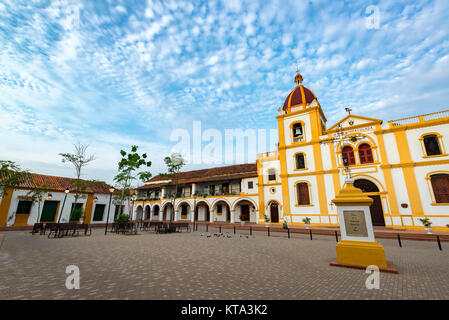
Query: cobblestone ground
x,y
195,266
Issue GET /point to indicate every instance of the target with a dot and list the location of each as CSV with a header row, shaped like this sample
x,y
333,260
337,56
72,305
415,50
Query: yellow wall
x,y
4,206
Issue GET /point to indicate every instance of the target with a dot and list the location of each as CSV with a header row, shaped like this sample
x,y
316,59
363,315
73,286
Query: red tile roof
x,y
238,171
297,97
53,183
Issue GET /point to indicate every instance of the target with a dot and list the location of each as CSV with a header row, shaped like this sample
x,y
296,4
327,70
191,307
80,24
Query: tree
x,y
37,195
174,163
130,163
11,176
79,159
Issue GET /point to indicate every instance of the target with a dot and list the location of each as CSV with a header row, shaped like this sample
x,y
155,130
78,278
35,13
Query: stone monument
x,y
358,248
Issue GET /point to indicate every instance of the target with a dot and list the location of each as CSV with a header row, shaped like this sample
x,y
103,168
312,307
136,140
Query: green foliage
x,y
11,176
306,220
267,218
425,221
38,195
285,225
76,214
129,163
122,218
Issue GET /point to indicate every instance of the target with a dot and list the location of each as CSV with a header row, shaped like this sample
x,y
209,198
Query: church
x,y
401,164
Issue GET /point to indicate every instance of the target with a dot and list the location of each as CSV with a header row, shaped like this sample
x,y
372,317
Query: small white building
x,y
17,208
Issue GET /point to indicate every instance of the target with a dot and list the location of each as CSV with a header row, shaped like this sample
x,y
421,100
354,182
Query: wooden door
x,y
274,213
49,211
377,214
245,212
99,212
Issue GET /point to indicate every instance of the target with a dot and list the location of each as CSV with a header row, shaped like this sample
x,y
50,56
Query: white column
x,y
162,193
193,188
192,215
175,215
232,216
211,215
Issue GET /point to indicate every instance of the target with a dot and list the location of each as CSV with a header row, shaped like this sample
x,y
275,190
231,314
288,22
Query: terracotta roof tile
x,y
54,183
238,171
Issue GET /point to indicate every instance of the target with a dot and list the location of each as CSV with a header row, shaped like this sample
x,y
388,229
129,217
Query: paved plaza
x,y
199,265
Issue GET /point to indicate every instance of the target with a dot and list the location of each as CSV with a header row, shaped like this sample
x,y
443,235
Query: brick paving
x,y
195,266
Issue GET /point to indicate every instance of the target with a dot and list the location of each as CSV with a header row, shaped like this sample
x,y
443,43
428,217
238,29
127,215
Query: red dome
x,y
296,97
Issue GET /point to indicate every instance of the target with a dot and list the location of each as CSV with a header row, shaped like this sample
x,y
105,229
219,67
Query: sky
x,y
113,74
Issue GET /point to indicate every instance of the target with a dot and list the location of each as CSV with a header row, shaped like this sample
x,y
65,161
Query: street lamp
x,y
66,191
111,191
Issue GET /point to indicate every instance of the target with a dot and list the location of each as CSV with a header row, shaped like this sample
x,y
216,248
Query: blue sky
x,y
117,73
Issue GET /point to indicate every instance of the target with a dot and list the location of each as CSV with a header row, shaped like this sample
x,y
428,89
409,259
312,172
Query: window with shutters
x,y
300,161
365,153
432,145
99,212
347,154
24,207
302,190
440,186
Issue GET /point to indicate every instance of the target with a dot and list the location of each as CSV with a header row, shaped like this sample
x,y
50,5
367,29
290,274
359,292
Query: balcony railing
x,y
421,118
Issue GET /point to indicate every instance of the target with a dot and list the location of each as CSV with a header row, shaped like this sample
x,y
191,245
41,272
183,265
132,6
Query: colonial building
x,y
223,194
402,164
18,209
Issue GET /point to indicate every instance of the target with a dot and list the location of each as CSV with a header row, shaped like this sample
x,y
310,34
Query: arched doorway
x,y
183,210
147,212
274,212
202,212
139,213
377,213
168,212
244,210
156,212
222,211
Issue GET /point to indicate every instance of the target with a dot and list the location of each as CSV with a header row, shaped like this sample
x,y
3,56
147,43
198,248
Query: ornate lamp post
x,y
66,191
111,191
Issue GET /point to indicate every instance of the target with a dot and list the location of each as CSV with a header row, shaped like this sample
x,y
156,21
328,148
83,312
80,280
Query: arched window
x,y
365,153
347,154
440,186
431,144
302,190
300,161
298,134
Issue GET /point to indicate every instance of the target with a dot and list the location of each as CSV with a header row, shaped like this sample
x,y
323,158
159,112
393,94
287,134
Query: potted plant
x,y
285,224
306,221
427,224
242,222
267,220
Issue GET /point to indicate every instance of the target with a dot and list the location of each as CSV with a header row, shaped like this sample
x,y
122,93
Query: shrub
x,y
122,218
425,221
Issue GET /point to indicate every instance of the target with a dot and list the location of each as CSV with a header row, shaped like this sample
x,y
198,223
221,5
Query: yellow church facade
x,y
402,165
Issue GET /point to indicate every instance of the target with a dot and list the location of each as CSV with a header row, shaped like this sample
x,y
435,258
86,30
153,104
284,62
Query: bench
x,y
38,227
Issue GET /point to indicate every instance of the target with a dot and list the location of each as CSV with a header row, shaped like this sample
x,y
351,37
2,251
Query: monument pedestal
x,y
362,254
358,247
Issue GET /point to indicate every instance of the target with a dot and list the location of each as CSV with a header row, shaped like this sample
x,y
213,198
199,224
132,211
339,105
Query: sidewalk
x,y
379,232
